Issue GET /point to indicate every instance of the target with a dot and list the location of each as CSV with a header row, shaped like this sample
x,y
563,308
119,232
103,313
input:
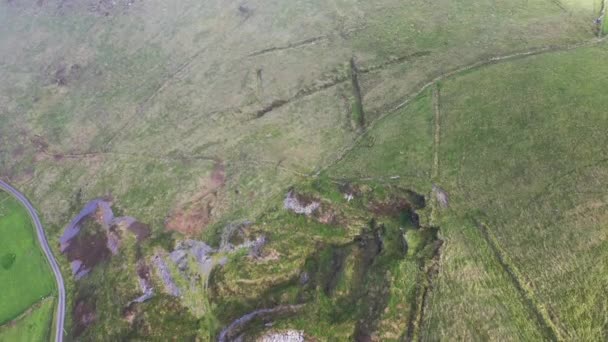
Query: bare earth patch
x,y
84,315
101,238
141,230
192,217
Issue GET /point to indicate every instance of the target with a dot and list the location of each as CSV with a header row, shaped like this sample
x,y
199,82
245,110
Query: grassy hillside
x,y
24,273
520,152
523,153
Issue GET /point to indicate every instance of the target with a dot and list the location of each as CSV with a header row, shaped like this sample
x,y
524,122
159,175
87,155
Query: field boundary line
x,y
412,317
27,311
559,4
437,133
303,42
288,46
602,19
434,264
475,65
545,320
424,286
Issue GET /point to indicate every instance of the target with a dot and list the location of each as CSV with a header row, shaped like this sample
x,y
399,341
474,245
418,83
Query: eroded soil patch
x,y
83,315
95,234
140,230
192,217
401,207
86,251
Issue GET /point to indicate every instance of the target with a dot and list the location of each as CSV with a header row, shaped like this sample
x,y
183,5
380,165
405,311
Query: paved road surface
x,y
49,255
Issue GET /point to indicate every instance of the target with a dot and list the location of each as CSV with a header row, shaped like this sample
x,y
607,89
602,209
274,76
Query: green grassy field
x,y
471,285
400,147
473,298
33,327
25,275
523,152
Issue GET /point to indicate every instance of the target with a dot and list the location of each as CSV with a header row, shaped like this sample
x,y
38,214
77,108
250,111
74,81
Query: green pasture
x,y
24,272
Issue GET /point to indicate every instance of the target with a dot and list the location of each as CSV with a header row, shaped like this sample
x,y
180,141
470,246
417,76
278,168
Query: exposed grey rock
x,y
179,258
145,284
441,196
113,242
229,231
165,276
283,336
235,328
73,228
107,220
75,265
79,270
200,250
106,213
189,252
83,272
291,202
256,246
148,293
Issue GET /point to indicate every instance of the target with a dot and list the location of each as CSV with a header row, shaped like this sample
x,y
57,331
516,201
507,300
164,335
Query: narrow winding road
x,y
49,255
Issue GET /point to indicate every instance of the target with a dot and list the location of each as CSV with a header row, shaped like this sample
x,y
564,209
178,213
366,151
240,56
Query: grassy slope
x,y
473,298
34,327
523,151
245,284
28,278
472,282
400,146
